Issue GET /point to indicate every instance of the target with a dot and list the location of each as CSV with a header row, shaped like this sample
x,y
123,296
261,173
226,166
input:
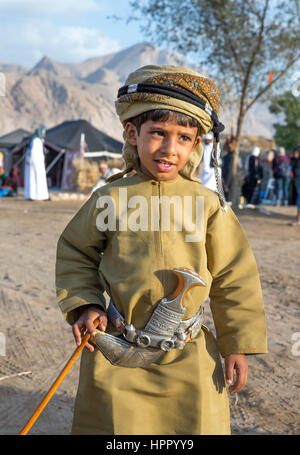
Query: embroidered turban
x,y
173,88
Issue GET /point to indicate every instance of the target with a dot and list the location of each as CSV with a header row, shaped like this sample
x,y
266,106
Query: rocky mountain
x,y
52,92
12,68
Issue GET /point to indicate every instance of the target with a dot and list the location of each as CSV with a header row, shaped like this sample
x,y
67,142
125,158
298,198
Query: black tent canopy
x,y
8,142
62,144
67,138
13,138
67,135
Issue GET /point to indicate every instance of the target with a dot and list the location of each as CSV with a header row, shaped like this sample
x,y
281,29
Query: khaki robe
x,y
184,392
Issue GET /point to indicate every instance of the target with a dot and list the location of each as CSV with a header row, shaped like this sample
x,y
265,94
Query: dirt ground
x,y
38,341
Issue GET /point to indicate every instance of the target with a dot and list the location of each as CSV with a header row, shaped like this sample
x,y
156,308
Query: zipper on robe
x,y
160,232
162,261
159,252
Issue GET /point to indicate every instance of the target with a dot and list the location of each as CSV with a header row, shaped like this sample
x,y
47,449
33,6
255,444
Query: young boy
x,y
122,241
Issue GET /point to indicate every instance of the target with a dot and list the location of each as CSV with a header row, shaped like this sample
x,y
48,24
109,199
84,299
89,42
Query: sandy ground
x,y
38,341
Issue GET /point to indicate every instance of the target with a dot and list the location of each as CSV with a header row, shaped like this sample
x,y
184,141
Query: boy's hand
x,y
85,323
238,363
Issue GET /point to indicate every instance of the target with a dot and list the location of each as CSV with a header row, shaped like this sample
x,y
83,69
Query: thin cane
x,y
56,383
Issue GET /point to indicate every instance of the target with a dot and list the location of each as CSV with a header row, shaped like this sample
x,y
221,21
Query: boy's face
x,y
163,147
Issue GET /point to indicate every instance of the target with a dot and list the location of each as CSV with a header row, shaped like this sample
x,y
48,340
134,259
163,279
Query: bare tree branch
x,y
267,87
255,51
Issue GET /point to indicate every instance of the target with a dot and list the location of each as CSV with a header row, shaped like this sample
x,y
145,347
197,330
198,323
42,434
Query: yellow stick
x,y
56,384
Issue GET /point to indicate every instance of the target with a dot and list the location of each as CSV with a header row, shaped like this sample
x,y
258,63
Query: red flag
x,y
271,74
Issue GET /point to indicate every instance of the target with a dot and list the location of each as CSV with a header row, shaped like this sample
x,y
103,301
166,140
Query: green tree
x,y
288,131
238,42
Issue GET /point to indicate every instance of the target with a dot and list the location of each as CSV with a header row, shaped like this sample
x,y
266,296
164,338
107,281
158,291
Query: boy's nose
x,y
169,146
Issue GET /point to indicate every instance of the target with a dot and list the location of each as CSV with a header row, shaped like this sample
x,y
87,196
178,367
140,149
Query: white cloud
x,y
81,43
42,8
28,42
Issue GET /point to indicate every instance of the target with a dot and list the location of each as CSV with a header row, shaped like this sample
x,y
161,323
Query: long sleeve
x,y
78,258
236,297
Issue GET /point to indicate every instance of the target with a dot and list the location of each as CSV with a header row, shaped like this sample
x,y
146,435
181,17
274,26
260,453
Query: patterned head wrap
x,y
172,88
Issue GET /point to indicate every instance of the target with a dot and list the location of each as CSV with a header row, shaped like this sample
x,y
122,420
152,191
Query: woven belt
x,y
186,331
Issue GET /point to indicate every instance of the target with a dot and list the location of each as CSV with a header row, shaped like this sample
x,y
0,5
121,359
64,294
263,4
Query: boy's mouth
x,y
164,165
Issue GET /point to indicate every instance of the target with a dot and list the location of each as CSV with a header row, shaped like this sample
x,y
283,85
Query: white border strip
x,y
103,153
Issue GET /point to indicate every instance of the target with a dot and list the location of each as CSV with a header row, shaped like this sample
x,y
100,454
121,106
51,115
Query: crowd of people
x,y
263,176
270,176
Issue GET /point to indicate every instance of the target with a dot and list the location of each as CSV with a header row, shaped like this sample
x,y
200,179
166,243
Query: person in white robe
x,y
207,175
35,180
105,172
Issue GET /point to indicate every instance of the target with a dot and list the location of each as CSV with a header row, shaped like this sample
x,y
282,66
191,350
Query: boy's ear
x,y
197,141
131,133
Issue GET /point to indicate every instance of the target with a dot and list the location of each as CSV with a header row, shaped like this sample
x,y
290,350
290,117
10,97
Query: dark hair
x,y
163,115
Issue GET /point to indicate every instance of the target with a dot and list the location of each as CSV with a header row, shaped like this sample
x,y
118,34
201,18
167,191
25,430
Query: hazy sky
x,y
65,30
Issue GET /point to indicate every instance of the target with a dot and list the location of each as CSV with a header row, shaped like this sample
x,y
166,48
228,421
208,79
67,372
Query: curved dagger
x,y
163,324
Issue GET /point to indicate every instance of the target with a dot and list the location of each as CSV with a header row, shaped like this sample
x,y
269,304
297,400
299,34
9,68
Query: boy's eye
x,y
159,133
185,138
